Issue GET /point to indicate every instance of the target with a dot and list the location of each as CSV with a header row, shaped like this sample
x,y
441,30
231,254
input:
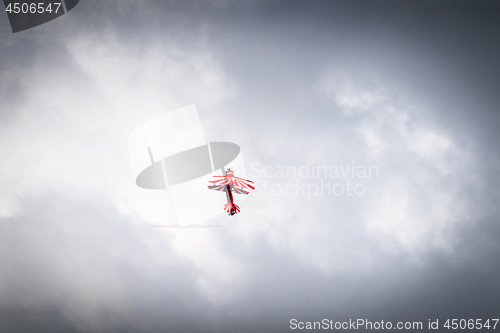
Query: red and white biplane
x,y
229,183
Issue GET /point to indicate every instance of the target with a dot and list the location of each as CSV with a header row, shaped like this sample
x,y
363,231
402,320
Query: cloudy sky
x,y
409,88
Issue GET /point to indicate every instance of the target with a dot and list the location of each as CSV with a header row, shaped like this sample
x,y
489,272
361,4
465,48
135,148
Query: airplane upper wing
x,y
233,181
243,183
220,182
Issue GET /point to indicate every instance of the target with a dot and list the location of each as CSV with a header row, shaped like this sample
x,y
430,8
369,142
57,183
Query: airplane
x,y
229,184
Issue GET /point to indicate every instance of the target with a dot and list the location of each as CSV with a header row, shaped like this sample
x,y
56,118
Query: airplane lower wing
x,y
239,191
221,188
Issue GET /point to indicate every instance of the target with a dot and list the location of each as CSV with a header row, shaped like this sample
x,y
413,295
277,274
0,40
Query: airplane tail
x,y
231,208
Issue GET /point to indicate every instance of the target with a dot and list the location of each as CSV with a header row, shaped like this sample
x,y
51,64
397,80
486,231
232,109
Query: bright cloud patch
x,y
419,200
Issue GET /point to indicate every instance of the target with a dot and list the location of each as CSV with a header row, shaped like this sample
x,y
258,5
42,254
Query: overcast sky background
x,y
408,86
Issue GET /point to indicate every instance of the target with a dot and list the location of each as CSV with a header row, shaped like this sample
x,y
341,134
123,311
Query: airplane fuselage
x,y
229,195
